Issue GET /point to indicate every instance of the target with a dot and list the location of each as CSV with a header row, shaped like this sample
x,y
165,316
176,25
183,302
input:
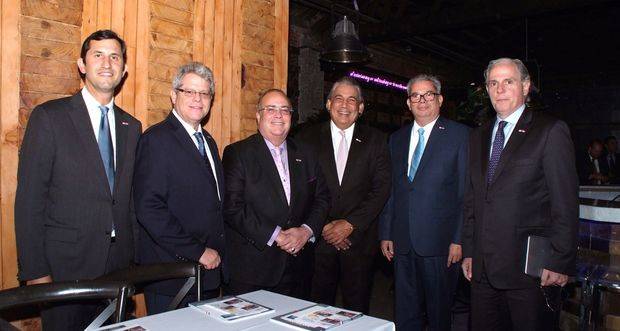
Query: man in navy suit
x,y
420,226
178,186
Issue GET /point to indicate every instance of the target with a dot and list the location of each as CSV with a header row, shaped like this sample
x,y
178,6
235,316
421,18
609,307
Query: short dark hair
x,y
271,90
103,35
595,141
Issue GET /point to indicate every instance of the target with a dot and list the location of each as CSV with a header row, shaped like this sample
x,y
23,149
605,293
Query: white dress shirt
x,y
511,120
413,141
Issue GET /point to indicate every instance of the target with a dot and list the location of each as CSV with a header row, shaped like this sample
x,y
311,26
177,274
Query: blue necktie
x,y
201,144
106,148
496,151
417,155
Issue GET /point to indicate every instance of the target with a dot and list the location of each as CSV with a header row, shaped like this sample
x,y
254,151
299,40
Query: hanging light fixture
x,y
345,46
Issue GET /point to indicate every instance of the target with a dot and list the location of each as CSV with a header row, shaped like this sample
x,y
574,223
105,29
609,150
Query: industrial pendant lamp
x,y
345,46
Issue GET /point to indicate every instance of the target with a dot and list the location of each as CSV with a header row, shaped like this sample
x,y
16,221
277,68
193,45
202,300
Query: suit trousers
x,y
514,309
424,285
78,315
351,269
290,284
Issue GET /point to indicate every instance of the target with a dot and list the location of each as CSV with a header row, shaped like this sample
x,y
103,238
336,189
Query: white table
x,y
192,319
598,210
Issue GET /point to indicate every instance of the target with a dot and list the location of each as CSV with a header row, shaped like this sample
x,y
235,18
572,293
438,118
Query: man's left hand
x,y
549,278
337,231
455,254
297,239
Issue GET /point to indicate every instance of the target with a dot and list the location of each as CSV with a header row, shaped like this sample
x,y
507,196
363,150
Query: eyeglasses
x,y
428,96
349,101
193,94
272,110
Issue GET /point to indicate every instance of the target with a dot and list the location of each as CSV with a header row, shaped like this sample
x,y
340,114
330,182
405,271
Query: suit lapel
x,y
187,144
485,145
267,163
121,125
357,145
295,170
84,127
402,152
514,142
435,139
218,171
326,151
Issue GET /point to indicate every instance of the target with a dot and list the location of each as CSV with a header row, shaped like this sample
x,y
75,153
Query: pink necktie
x,y
341,157
283,175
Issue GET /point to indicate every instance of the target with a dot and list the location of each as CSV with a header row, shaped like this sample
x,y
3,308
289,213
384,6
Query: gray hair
x,y
521,68
194,68
346,80
424,78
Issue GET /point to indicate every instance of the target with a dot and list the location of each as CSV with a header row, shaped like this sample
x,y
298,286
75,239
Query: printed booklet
x,y
231,309
317,317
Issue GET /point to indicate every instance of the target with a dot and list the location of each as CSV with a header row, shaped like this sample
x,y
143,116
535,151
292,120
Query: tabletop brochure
x,y
317,317
231,309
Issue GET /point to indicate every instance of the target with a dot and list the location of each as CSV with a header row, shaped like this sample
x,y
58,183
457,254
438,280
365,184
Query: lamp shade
x,y
345,46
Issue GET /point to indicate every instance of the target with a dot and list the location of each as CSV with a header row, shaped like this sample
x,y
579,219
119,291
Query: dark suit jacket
x,y
426,215
64,209
586,167
255,204
177,204
365,184
535,191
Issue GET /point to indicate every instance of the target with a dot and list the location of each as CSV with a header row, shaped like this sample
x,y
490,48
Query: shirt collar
x,y
335,130
272,147
190,129
512,118
92,103
427,127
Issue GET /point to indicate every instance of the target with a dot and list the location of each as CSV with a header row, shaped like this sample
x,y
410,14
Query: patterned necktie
x,y
106,148
496,151
417,155
286,185
341,157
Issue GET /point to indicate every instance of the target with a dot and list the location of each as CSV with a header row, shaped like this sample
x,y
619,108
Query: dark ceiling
x,y
560,40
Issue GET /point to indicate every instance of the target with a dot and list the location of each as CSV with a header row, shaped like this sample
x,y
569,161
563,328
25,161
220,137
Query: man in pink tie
x,y
356,163
276,202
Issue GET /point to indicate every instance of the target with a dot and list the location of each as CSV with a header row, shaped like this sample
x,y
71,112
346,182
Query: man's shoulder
x,y
246,143
159,130
55,105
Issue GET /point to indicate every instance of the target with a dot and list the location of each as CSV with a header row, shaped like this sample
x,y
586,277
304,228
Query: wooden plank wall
x,y
244,42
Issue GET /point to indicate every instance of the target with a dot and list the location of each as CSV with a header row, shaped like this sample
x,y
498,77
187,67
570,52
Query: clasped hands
x,y
293,240
337,233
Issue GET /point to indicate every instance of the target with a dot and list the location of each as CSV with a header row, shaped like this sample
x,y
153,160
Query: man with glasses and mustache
x,y
276,203
179,189
420,227
356,163
522,181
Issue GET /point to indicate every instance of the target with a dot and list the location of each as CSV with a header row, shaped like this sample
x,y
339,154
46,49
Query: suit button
x,y
221,235
113,202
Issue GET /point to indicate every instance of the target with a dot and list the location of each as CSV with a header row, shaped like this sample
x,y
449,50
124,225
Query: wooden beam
x,y
141,65
280,61
9,135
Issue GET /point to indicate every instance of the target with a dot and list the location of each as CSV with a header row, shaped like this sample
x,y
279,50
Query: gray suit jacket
x,y
64,209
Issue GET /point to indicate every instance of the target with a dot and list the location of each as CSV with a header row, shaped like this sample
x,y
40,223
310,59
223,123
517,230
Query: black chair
x,y
142,275
66,292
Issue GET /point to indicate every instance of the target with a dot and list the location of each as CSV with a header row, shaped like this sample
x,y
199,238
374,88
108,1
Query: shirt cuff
x,y
312,238
275,234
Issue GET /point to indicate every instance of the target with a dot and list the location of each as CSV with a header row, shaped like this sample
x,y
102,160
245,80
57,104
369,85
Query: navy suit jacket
x,y
426,215
177,203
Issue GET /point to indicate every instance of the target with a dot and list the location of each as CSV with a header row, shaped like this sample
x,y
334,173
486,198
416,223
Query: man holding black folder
x,y
522,182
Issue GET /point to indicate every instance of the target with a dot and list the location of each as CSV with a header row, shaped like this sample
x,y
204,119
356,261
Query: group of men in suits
x,y
298,216
601,164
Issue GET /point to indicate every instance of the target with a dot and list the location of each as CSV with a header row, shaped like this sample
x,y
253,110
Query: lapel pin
x,y
441,128
358,140
521,131
297,160
124,123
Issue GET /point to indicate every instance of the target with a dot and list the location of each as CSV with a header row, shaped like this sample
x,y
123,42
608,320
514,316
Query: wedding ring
x,y
292,250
